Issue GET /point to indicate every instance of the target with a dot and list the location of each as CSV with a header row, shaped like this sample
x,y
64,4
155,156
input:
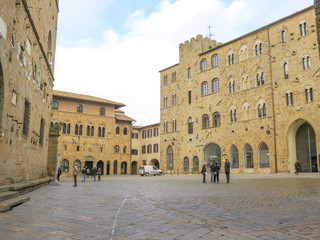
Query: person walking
x,y
216,173
75,174
297,167
227,170
204,172
94,173
59,174
212,170
84,172
99,174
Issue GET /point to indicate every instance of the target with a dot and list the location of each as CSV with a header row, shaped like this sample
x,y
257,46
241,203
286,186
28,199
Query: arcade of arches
x,y
301,146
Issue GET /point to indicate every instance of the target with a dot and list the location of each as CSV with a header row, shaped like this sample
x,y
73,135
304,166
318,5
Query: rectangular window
x,y
155,148
149,149
144,134
189,73
134,151
149,133
55,105
42,123
189,97
173,76
26,118
155,132
78,148
144,162
65,147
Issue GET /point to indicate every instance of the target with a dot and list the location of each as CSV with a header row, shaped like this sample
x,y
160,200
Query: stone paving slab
x,y
269,206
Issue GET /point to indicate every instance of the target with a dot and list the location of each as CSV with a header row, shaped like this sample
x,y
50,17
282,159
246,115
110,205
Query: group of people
x,y
215,171
85,171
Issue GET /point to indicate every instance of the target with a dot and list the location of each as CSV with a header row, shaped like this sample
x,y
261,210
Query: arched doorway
x,y
169,158
186,164
89,162
108,168
155,162
212,152
100,165
123,168
302,146
134,168
1,93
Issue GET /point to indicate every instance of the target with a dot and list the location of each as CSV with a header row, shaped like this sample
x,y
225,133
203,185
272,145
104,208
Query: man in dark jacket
x,y
94,173
216,172
204,172
59,173
227,170
297,166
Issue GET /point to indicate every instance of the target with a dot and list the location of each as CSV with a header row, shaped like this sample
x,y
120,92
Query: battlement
x,y
196,46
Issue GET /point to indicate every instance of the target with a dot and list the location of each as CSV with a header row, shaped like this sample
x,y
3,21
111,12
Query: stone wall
x,y
27,51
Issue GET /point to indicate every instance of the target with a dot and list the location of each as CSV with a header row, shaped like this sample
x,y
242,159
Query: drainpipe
x,y
273,108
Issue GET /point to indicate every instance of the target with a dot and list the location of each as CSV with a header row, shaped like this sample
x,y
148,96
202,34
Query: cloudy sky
x,y
114,49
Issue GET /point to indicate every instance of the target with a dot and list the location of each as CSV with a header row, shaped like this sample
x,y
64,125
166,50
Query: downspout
x,y
273,108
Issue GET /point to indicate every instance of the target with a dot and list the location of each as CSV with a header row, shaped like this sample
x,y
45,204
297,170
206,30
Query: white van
x,y
147,170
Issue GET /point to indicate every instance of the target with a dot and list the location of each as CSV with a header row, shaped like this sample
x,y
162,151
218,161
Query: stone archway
x,y
212,152
108,168
302,146
124,168
155,162
100,165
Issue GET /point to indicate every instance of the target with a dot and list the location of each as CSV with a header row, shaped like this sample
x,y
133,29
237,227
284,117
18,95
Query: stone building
x,y
145,148
27,52
94,133
253,100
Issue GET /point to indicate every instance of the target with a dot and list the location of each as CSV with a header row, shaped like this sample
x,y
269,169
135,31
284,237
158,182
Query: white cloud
x,y
125,67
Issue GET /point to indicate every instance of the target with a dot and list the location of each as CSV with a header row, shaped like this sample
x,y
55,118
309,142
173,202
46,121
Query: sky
x,y
114,49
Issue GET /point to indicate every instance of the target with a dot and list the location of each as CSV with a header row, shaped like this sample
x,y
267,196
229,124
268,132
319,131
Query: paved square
x,y
271,206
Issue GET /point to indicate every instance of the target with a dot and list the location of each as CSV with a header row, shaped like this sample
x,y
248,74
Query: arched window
x,y
76,129
289,98
165,126
102,111
124,149
309,94
230,58
99,131
125,131
258,80
248,156
55,105
203,65
230,87
103,132
169,158
115,167
174,125
190,125
79,108
64,128
303,28
117,130
262,78
234,86
215,60
64,165
186,164
165,79
205,121
263,155
92,131
306,62
216,119
68,128
204,88
195,164
286,70
88,131
283,36
246,111
116,149
165,102
215,85
234,157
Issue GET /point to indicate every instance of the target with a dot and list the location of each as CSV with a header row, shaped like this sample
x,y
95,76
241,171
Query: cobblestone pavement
x,y
271,206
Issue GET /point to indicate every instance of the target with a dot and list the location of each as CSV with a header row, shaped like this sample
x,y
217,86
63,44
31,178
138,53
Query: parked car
x,y
147,170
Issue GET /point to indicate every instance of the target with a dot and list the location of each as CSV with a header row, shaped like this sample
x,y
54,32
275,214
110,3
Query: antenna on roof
x,y
210,35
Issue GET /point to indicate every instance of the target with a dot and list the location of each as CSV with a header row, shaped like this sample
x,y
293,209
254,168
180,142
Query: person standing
x,y
297,166
84,172
212,170
216,173
99,174
59,173
204,172
94,173
75,174
227,170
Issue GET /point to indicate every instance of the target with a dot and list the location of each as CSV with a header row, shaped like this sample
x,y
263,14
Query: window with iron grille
x,y
42,123
26,118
